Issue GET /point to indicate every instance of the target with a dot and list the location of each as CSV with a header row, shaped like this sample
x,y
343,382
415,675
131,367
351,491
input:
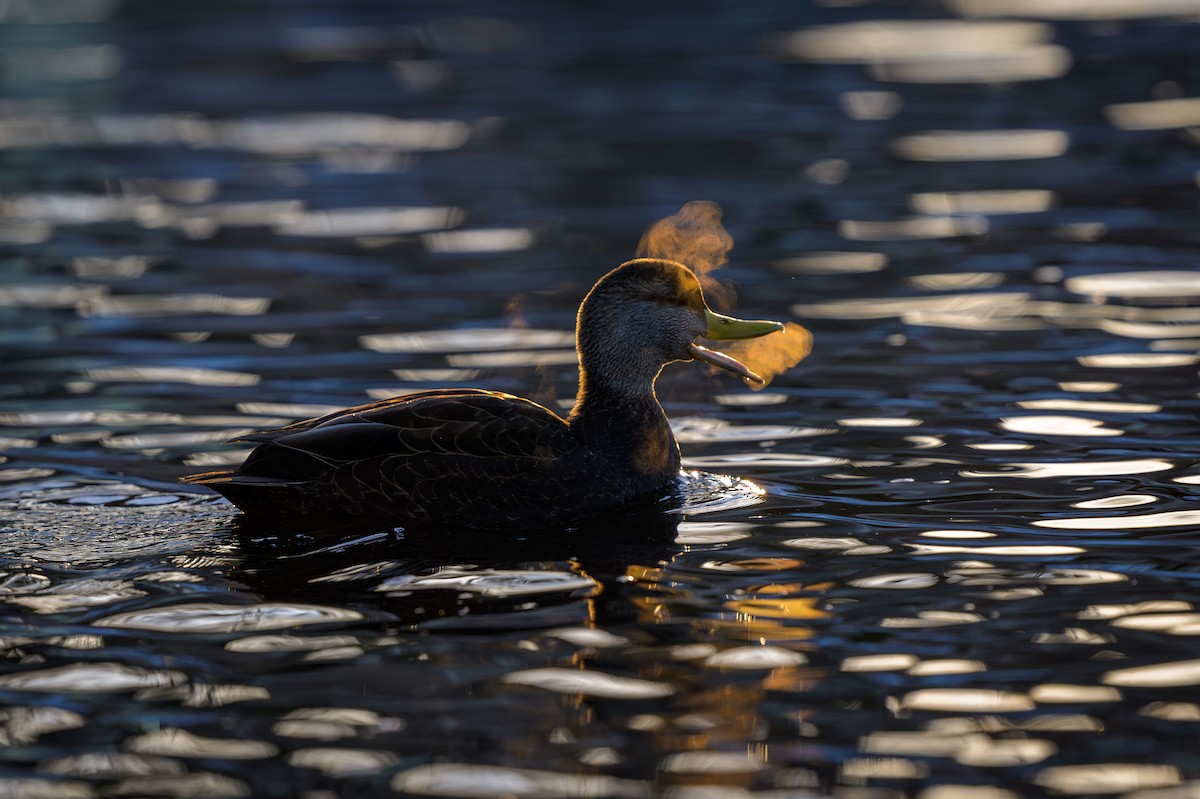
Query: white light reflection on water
x,y
289,643
1058,426
172,305
913,228
1061,693
589,683
1076,9
1179,112
479,240
1012,550
1093,406
936,51
513,358
1037,471
468,339
967,700
492,582
945,666
1138,360
176,742
930,619
879,421
340,762
211,617
986,575
778,459
703,430
1156,675
99,677
1178,518
496,782
349,222
755,658
291,135
711,762
879,662
955,281
1120,501
1172,711
982,145
833,263
996,201
1107,778
871,105
195,375
1149,284
1169,623
970,304
709,533
20,725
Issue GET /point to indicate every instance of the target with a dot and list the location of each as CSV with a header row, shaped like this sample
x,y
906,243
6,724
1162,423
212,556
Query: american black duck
x,y
487,460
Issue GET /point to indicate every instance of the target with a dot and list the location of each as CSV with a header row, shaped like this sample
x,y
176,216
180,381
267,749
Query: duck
x,y
486,460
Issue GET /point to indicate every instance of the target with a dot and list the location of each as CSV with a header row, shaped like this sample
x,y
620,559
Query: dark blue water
x,y
958,555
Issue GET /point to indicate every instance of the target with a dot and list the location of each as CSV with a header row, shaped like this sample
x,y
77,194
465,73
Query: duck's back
x,y
463,458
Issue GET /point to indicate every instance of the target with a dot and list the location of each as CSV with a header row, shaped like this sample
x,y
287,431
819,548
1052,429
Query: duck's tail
x,y
251,493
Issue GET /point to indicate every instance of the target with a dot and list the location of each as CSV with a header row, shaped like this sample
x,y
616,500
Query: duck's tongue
x,y
723,361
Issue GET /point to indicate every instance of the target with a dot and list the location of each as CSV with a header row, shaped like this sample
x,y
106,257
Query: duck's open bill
x,y
727,328
724,361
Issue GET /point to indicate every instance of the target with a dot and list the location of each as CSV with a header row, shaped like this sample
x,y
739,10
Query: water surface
x,y
973,572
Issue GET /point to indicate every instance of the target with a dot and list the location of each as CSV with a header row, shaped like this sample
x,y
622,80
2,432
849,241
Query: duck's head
x,y
649,312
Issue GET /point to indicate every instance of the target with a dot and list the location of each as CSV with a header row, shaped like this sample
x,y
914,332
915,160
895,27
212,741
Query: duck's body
x,y
487,460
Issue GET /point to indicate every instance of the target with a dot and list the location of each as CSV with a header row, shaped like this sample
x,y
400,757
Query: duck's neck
x,y
619,421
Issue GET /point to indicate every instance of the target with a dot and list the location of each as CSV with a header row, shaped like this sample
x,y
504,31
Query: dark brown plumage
x,y
487,460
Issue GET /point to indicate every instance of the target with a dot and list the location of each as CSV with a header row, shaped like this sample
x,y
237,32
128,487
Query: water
x,y
967,563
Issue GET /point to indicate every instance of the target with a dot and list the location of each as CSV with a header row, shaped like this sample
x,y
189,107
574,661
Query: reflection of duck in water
x,y
482,459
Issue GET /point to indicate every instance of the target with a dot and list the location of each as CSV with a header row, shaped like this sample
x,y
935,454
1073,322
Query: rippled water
x,y
967,564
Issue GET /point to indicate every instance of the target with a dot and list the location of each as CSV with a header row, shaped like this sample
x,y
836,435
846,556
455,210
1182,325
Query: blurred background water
x,y
974,571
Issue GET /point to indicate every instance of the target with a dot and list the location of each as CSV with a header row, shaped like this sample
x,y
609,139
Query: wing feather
x,y
432,428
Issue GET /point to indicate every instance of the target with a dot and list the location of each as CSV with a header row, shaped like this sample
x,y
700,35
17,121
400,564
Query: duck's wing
x,y
379,408
467,452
